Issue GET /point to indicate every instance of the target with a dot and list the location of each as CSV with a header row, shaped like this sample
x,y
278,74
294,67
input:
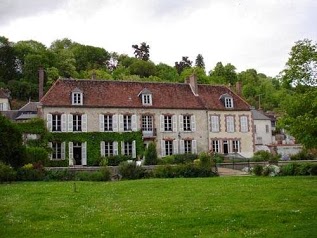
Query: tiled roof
x,y
30,107
124,94
3,94
259,116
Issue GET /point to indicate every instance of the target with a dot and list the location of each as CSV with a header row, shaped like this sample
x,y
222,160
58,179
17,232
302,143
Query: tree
x,y
301,67
199,62
142,52
142,68
11,148
8,66
167,73
183,64
202,78
224,74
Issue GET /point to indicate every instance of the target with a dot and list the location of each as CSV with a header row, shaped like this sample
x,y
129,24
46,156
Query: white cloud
x,y
248,34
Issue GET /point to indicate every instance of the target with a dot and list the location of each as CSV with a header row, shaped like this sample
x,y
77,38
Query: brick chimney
x,y
192,81
239,88
41,83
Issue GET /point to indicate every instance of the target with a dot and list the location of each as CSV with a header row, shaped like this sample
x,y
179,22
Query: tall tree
x,y
199,62
142,52
8,66
301,67
183,64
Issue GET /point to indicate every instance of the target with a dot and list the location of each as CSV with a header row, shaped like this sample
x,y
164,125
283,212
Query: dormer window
x,y
146,97
77,97
227,100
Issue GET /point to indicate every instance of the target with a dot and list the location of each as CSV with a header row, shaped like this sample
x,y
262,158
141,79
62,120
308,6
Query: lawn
x,y
203,207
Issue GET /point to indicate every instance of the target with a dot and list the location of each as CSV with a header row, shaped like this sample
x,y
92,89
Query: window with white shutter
x,y
230,124
214,120
244,127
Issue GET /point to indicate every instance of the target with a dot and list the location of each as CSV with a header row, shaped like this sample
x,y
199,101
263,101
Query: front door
x,y
77,154
225,147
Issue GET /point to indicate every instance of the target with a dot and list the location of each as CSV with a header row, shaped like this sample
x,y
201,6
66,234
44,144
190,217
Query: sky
x,y
255,34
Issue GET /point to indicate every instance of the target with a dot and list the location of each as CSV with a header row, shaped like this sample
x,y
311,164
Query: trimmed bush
x,y
271,170
184,158
206,160
132,171
59,175
313,169
182,171
166,160
31,172
150,157
261,156
7,173
116,160
302,155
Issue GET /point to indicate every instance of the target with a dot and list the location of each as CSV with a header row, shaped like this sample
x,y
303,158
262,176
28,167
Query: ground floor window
x,y
226,146
58,150
168,147
128,148
187,146
215,146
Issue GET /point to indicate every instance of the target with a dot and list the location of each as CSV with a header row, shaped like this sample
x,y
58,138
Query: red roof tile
x,y
123,94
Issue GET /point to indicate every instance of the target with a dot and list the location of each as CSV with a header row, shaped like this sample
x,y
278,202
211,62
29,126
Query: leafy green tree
x,y
143,68
199,62
11,148
8,65
184,63
142,52
301,67
202,78
167,73
224,74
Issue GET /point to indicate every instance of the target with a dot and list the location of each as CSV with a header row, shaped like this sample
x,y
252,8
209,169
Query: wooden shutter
x,y
115,148
175,146
49,119
64,119
134,123
101,122
84,123
115,122
122,147
194,146
50,145
63,150
162,123
70,154
181,123
120,123
70,122
133,149
174,122
182,146
102,148
163,152
84,153
193,123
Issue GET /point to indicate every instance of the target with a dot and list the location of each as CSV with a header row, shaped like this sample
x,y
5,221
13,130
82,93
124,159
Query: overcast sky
x,y
246,33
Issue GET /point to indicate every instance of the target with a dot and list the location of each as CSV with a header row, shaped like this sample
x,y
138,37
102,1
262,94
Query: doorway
x,y
77,150
225,147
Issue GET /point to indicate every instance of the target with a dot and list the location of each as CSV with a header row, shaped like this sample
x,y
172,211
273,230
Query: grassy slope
x,y
210,207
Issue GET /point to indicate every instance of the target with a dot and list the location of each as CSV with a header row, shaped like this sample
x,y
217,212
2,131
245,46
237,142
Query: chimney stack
x,y
192,81
41,83
239,88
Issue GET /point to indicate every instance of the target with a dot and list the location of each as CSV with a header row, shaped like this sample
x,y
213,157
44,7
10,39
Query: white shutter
x,y
181,123
120,123
84,122
115,122
193,122
182,146
70,153
102,148
50,145
4,105
84,153
122,147
174,121
115,148
162,122
64,129
70,122
175,146
133,150
194,146
101,122
244,124
49,121
63,150
163,152
134,124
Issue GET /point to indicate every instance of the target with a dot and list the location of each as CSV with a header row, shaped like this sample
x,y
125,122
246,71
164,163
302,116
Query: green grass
x,y
208,207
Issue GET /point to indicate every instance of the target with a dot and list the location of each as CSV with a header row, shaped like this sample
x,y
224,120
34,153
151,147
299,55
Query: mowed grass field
x,y
202,207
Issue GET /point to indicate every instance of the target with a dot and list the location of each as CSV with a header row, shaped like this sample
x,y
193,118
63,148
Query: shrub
x,y
302,155
117,159
60,175
289,169
303,169
218,158
271,170
166,160
103,161
205,160
31,172
313,169
151,154
182,171
261,156
132,171
36,154
257,170
184,158
7,173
